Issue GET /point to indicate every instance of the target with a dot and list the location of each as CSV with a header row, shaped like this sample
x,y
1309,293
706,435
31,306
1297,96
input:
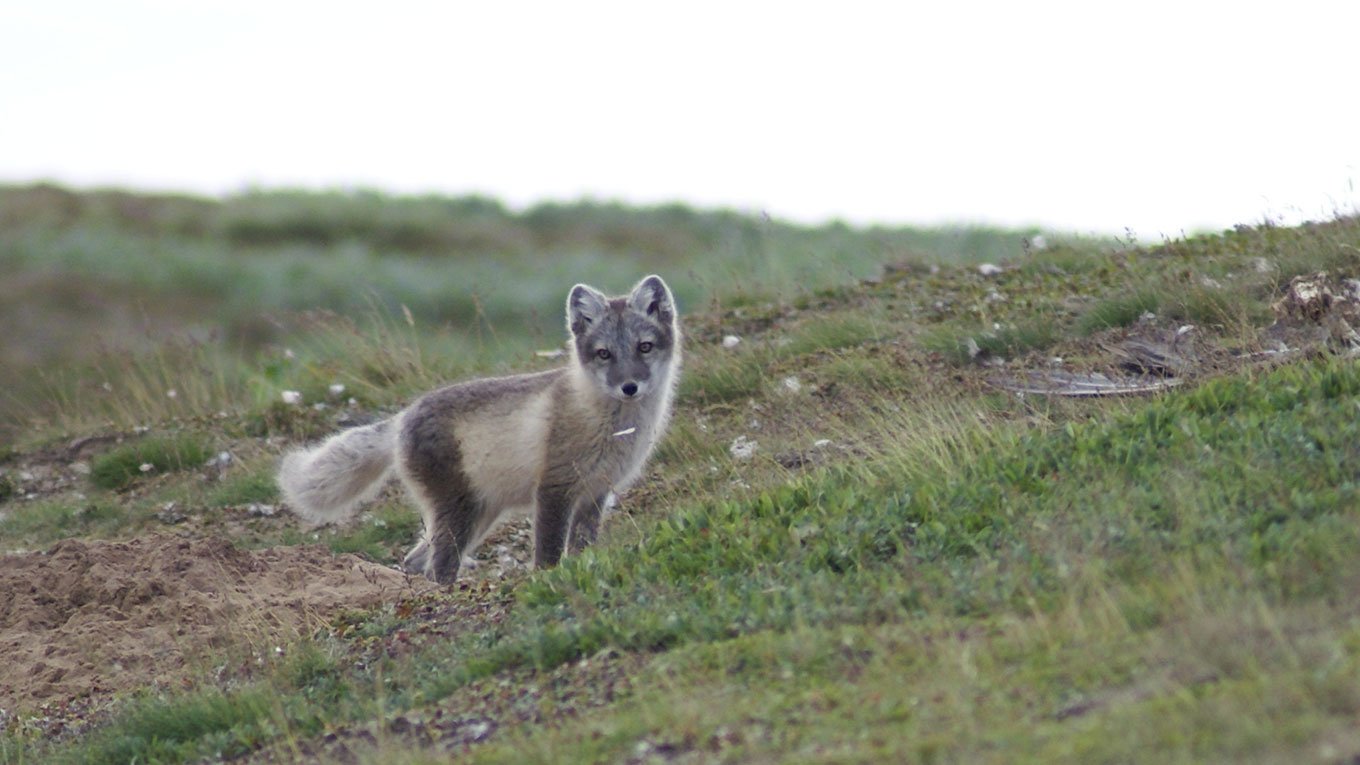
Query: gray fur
x,y
557,444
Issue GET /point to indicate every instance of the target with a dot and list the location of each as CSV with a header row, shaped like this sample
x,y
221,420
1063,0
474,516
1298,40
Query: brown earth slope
x,y
90,619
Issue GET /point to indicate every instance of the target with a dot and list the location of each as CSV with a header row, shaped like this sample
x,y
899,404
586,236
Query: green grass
x,y
39,523
382,534
823,335
157,728
943,690
866,370
1122,524
122,466
256,486
721,379
153,731
1216,307
1239,493
1118,311
1257,460
964,346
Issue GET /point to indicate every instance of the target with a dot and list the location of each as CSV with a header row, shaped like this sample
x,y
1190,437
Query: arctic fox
x,y
557,444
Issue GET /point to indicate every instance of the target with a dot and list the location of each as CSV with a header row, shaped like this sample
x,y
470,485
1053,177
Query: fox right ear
x,y
585,305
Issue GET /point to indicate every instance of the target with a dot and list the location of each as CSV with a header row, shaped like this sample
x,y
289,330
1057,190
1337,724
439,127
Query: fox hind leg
x,y
456,524
433,466
418,559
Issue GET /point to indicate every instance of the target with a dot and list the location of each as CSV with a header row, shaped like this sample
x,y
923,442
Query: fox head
x,y
628,346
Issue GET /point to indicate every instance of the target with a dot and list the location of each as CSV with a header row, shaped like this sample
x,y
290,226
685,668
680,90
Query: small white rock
x,y
1184,329
292,397
336,389
742,448
791,385
821,442
989,269
172,393
731,341
146,467
478,730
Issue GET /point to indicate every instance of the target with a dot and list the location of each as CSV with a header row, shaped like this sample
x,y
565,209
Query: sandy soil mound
x,y
88,619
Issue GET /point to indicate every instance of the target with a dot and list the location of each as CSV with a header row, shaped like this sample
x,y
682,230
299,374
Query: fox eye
x,y
603,354
644,347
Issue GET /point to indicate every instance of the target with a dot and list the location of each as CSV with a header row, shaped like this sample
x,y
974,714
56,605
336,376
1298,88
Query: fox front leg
x,y
551,523
585,522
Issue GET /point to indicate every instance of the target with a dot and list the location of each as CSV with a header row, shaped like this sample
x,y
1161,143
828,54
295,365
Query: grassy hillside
x,y
94,275
856,544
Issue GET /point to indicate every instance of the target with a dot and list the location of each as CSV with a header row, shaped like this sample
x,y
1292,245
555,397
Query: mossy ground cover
x,y
953,574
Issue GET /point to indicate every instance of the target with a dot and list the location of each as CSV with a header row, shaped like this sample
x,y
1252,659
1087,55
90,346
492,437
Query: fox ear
x,y
585,305
652,297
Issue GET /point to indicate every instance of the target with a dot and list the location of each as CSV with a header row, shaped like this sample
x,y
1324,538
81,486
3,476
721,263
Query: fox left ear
x,y
652,297
585,306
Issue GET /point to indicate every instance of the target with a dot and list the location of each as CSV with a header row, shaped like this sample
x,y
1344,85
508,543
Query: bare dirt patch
x,y
87,620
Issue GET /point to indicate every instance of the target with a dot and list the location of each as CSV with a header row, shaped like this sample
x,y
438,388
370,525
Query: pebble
x,y
742,448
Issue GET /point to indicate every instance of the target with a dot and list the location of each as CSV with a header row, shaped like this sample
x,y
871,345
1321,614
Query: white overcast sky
x,y
1157,117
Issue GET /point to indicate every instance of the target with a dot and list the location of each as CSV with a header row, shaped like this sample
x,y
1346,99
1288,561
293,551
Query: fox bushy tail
x,y
327,483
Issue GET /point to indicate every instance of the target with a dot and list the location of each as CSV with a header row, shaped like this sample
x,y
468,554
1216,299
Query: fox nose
x,y
629,389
